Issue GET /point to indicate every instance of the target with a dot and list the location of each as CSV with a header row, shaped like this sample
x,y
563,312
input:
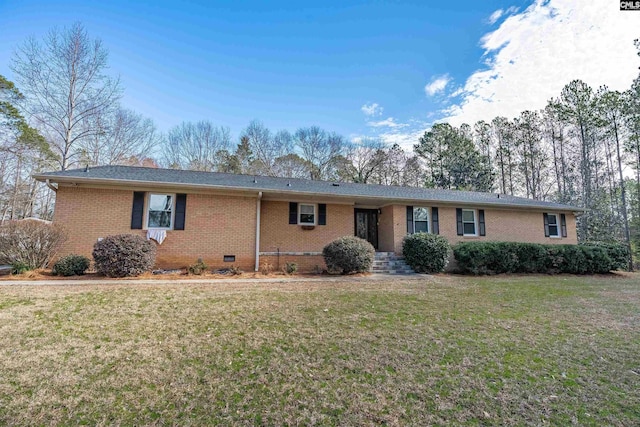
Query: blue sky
x,y
383,69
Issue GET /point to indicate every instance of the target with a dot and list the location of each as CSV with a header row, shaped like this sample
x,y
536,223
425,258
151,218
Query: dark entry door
x,y
366,223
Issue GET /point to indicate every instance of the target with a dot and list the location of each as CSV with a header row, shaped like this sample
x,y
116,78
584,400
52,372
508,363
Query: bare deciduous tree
x,y
196,146
266,147
63,78
320,148
126,138
364,160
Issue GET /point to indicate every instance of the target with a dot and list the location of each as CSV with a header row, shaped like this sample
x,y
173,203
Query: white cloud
x,y
495,16
372,110
390,132
406,140
437,84
534,53
389,122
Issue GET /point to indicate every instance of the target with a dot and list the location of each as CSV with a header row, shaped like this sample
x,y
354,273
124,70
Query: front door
x,y
366,223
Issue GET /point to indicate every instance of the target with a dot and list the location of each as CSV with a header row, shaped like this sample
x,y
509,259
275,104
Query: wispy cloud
x,y
405,140
389,122
437,84
390,132
495,16
372,110
534,53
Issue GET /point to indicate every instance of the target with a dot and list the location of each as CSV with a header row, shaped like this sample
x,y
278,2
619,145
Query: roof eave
x,y
389,200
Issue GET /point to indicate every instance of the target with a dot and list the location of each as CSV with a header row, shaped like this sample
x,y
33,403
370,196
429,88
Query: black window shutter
x,y
322,214
293,213
409,219
181,209
459,228
546,224
483,231
563,222
435,227
138,210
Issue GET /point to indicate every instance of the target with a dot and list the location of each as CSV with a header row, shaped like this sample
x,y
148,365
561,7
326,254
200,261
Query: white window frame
x,y
428,218
148,210
557,225
475,222
315,214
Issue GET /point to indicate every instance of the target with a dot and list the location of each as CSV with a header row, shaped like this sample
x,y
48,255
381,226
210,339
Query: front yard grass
x,y
444,350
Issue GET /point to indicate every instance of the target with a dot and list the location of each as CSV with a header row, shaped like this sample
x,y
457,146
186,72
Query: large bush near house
x,y
30,243
426,253
124,255
349,254
71,265
618,252
514,257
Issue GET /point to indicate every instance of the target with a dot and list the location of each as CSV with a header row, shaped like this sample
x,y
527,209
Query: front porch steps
x,y
390,263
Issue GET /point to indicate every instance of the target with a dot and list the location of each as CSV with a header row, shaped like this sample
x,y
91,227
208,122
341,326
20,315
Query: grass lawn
x,y
444,350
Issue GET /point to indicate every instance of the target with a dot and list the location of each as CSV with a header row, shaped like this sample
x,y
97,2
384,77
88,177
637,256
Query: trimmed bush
x,y
348,255
426,253
514,257
31,243
124,255
71,265
484,258
290,268
198,269
618,252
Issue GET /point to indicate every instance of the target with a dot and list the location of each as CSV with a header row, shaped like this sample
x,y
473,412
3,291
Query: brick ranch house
x,y
245,220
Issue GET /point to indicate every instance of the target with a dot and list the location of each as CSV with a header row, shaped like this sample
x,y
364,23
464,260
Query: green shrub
x,y
71,265
618,252
426,253
597,260
485,258
198,268
20,267
529,257
290,268
124,255
514,257
348,254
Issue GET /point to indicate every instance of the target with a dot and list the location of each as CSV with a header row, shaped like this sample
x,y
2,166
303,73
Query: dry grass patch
x,y
450,350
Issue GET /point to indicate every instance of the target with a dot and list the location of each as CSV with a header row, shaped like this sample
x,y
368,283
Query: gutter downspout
x,y
258,205
51,186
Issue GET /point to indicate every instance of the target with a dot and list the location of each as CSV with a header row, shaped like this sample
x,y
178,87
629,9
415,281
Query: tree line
x,y
64,111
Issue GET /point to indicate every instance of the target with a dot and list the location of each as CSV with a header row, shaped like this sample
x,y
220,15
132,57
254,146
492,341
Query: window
x,y
554,229
306,214
160,211
420,220
469,222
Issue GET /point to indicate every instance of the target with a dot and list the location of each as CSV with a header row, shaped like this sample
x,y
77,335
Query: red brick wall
x,y
214,226
218,225
501,225
305,263
276,232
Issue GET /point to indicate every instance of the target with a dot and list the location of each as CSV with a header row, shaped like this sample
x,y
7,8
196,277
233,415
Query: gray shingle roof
x,y
123,175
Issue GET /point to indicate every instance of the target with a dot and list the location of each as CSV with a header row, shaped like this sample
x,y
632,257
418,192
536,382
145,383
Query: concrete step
x,y
399,267
397,272
390,263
